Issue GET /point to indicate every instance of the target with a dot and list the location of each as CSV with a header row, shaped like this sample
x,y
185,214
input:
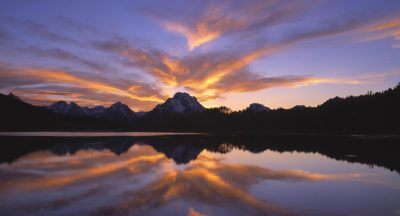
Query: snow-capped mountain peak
x,y
180,103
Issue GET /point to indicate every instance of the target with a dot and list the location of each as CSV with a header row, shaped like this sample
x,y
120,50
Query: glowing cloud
x,y
208,180
61,76
193,212
200,36
233,17
87,64
389,29
58,81
212,74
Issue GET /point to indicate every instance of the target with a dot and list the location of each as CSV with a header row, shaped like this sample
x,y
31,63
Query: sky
x,y
224,52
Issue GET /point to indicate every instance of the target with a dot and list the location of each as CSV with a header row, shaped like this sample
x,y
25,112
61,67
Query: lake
x,y
197,174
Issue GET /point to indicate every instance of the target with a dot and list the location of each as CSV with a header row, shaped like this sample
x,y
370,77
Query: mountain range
x,y
369,113
118,111
179,103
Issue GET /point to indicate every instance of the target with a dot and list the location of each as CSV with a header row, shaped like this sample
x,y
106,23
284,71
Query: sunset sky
x,y
224,52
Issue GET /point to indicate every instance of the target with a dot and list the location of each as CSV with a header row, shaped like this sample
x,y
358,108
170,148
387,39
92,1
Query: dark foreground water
x,y
164,174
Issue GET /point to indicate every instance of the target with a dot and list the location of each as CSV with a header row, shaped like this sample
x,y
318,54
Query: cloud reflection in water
x,y
140,180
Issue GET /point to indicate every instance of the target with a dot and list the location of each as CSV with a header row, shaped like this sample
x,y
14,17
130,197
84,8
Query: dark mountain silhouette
x,y
299,107
140,113
64,108
366,114
17,115
11,95
256,107
118,112
179,103
95,112
369,113
179,152
373,151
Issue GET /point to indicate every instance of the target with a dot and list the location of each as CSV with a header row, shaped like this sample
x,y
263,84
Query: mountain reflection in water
x,y
208,175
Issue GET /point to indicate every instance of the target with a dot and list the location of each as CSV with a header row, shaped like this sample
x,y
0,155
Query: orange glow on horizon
x,y
62,76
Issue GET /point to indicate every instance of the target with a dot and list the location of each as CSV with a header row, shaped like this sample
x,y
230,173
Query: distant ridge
x,y
364,114
17,115
116,112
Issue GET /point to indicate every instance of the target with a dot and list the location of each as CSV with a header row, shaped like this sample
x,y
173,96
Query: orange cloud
x,y
193,212
389,29
224,68
207,76
207,180
208,28
135,165
59,79
152,63
194,73
219,19
45,97
61,76
200,36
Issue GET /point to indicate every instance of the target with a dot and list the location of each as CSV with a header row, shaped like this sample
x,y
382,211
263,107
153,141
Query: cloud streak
x,y
140,179
48,78
211,74
142,75
208,180
43,31
246,82
67,56
388,29
232,17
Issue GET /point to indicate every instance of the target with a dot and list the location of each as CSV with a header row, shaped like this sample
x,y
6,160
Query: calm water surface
x,y
198,175
88,134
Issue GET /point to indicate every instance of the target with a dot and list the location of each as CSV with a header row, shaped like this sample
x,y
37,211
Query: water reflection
x,y
185,175
183,149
